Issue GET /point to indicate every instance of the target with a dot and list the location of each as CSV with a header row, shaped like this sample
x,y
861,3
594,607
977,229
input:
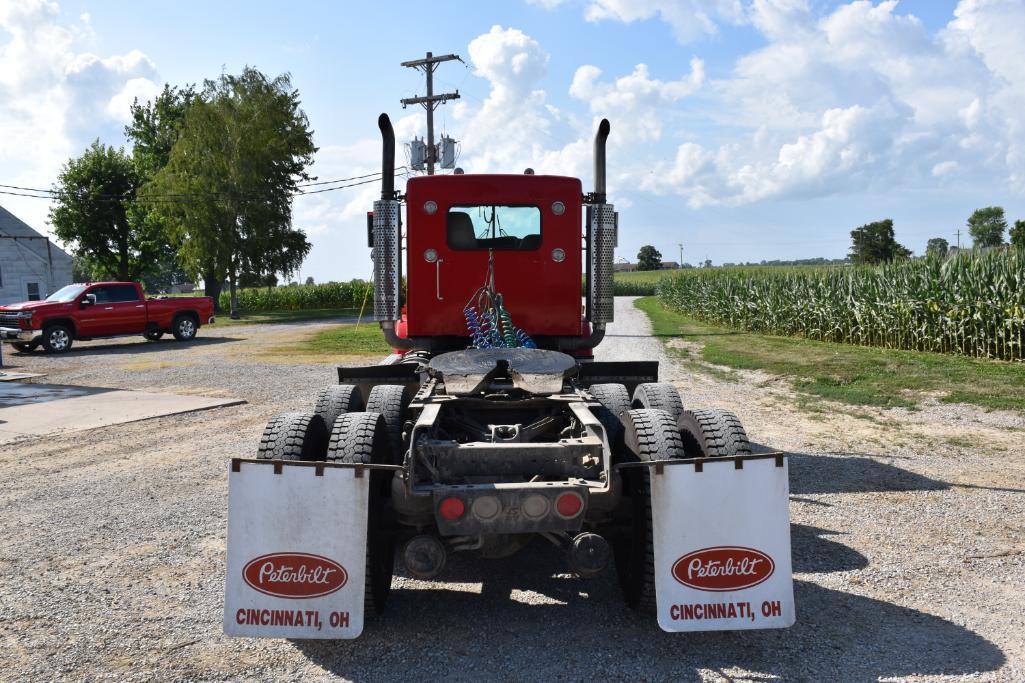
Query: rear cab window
x,y
508,228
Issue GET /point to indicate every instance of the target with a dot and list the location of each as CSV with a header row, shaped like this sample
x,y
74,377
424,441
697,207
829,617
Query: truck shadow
x,y
850,473
530,620
102,348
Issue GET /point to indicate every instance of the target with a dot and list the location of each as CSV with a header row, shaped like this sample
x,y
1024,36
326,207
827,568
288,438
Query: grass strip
x,y
849,374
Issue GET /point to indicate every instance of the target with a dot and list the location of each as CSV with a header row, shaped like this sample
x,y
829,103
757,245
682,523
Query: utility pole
x,y
958,233
681,254
431,101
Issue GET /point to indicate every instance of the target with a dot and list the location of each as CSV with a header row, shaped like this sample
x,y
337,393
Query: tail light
x,y
569,504
452,509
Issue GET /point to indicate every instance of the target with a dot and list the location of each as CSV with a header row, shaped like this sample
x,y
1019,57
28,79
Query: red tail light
x,y
452,509
569,504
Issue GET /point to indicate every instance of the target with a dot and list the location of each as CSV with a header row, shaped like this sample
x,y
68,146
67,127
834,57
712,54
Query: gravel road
x,y
908,544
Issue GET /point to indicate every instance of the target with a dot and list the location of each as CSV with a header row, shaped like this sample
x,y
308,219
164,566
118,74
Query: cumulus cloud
x,y
55,97
636,98
861,97
689,19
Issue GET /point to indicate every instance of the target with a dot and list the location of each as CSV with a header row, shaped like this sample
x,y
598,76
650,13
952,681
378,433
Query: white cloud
x,y
636,98
689,19
862,97
55,97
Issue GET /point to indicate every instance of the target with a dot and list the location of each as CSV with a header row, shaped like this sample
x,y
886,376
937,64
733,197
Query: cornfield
x,y
971,304
300,297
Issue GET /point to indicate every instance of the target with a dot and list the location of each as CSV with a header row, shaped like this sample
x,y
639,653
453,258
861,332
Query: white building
x,y
31,267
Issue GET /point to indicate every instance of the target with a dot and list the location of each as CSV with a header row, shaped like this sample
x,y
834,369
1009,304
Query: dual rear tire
x,y
340,431
651,434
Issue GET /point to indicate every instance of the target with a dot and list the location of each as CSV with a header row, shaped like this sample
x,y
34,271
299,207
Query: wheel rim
x,y
58,340
186,327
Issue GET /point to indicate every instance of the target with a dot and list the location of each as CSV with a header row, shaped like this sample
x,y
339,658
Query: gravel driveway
x,y
908,548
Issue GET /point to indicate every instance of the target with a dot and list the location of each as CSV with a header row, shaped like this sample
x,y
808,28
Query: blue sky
x,y
754,129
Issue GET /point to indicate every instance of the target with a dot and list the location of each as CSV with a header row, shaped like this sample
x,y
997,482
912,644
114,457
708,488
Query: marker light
x,y
430,207
569,504
486,507
558,208
558,255
430,255
452,509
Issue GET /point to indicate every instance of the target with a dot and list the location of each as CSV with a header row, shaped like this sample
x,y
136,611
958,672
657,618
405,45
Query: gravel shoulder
x,y
909,534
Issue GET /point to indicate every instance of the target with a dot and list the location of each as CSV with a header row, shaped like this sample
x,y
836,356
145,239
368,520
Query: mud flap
x,y
722,544
297,539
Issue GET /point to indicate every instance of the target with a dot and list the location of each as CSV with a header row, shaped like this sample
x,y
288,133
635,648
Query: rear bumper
x,y
14,334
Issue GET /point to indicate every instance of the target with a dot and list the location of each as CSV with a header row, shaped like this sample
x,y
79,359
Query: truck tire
x,y
647,435
335,400
712,434
57,338
153,335
615,400
389,401
293,436
184,327
659,396
363,438
25,347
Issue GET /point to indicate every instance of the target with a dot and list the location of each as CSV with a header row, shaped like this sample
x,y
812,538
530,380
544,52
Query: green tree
x,y
937,246
241,153
154,128
1018,234
93,193
875,243
649,258
986,226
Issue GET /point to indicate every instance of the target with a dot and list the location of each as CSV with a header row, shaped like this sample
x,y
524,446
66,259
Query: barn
x,y
31,266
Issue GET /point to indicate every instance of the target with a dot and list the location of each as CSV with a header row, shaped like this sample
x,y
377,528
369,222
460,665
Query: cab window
x,y
511,228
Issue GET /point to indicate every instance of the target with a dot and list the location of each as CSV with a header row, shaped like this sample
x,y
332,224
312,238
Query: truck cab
x,y
527,226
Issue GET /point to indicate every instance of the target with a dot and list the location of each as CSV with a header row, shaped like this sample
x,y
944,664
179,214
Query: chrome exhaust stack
x,y
602,222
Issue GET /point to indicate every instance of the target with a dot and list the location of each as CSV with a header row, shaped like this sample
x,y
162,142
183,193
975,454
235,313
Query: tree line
x,y
875,243
206,191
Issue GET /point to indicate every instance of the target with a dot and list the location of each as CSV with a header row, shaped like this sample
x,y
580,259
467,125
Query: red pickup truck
x,y
100,309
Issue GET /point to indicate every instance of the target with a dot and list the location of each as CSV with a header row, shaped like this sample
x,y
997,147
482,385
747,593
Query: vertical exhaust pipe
x,y
388,157
388,246
599,160
602,231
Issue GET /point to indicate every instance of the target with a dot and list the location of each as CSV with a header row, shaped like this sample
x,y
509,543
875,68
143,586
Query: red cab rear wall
x,y
543,296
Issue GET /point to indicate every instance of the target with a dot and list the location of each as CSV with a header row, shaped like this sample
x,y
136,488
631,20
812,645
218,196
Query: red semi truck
x,y
100,309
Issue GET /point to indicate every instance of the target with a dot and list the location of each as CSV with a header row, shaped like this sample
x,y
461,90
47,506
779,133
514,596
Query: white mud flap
x,y
297,538
722,544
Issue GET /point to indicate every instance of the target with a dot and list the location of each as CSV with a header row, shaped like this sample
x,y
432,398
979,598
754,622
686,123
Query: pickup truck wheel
x,y
389,400
659,396
293,436
57,339
184,327
615,400
712,434
25,347
647,435
337,399
363,438
153,335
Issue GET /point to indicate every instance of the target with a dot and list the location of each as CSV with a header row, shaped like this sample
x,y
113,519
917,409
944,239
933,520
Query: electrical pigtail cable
x,y
488,321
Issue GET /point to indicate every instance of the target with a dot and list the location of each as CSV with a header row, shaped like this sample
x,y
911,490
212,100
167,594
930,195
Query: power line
x,y
52,193
191,198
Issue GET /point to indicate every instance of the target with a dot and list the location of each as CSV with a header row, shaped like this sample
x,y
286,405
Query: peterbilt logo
x,y
723,568
294,575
